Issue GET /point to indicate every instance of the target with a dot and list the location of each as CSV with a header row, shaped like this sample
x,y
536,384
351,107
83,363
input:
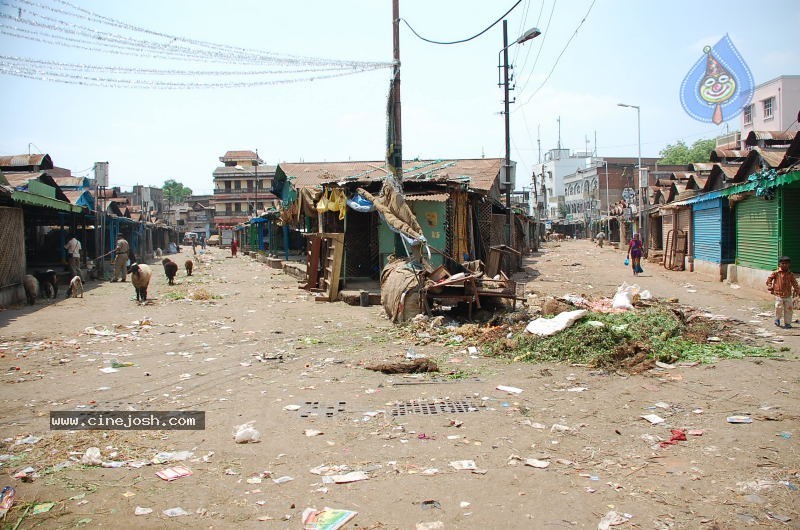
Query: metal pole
x,y
507,163
256,195
641,188
398,130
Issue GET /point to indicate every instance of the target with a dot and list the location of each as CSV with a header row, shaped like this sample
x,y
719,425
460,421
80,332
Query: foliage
x,y
680,154
175,192
657,331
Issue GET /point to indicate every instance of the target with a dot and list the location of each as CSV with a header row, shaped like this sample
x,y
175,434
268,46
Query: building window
x,y
228,185
769,103
237,207
748,115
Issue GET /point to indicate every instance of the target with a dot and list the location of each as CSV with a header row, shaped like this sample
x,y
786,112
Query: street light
x,y
528,35
641,189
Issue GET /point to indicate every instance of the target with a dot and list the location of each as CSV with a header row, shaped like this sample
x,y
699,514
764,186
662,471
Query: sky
x,y
591,55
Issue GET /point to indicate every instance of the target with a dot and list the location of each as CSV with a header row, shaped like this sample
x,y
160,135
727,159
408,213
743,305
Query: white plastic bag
x,y
625,296
545,327
91,457
246,433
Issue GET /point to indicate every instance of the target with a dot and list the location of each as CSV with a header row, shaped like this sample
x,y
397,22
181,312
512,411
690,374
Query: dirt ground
x,y
567,450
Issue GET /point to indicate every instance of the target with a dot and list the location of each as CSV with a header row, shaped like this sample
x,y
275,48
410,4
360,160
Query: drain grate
x,y
434,406
316,409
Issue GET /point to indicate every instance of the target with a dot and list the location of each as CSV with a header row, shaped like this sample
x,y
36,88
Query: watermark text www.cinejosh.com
x,y
183,420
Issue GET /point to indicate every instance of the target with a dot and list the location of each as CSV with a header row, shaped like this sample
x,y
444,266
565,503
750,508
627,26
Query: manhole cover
x,y
316,409
434,406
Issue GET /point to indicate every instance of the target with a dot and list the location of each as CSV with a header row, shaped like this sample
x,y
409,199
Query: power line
x,y
36,23
462,40
558,59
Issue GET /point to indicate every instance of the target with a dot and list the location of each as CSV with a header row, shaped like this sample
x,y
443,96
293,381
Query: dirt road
x,y
567,449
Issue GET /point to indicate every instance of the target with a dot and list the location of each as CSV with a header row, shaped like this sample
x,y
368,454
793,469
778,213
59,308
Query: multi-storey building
x,y
774,107
242,188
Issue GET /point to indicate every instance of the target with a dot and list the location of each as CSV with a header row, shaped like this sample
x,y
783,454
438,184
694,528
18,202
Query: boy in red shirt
x,y
782,284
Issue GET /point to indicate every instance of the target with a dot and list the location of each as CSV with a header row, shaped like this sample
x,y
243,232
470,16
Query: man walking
x,y
120,259
73,248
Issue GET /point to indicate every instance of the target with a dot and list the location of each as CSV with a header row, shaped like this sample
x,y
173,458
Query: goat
x,y
48,283
140,278
189,266
75,288
170,269
31,285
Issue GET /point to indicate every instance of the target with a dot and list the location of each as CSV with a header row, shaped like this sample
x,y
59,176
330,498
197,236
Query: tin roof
x,y
18,161
236,156
719,154
233,171
433,197
479,174
702,166
753,137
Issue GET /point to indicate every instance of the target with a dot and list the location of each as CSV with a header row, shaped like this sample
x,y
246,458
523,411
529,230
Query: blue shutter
x,y
707,231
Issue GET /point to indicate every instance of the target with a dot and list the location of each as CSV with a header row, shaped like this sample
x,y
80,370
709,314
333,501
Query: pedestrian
x,y
635,254
234,247
74,248
782,284
601,236
120,259
203,242
194,246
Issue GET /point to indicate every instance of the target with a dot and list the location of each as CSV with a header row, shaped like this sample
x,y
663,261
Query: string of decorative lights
x,y
35,23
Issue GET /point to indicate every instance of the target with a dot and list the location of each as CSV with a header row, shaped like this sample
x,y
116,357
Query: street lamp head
x,y
528,35
626,105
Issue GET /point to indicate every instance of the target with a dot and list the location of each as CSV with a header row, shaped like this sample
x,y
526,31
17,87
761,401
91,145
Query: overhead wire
x,y
431,41
558,59
35,23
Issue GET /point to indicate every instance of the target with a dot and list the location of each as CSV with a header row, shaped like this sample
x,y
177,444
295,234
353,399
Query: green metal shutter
x,y
757,233
790,234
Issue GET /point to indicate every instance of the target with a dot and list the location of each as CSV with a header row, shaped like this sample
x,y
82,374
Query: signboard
x,y
628,194
226,237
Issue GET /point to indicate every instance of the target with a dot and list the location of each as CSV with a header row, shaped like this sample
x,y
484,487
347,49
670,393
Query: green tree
x,y
175,192
679,153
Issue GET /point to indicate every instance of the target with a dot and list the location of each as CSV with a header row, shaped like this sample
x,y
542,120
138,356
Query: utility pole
x,y
507,162
395,122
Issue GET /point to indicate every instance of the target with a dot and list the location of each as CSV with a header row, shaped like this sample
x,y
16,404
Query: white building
x,y
548,180
775,107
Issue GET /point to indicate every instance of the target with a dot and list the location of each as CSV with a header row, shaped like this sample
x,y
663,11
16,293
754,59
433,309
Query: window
x,y
237,207
768,103
748,115
237,184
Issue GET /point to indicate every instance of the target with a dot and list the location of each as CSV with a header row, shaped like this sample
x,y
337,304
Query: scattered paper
x,y
509,389
653,418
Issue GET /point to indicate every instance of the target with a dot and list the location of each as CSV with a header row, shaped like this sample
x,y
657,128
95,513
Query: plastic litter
x,y
142,511
461,465
626,296
653,418
353,476
509,389
246,433
43,507
173,473
544,327
175,512
92,457
613,518
740,419
6,500
327,518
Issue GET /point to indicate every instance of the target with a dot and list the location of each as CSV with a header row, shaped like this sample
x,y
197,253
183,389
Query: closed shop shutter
x,y
707,231
666,226
790,234
757,233
684,219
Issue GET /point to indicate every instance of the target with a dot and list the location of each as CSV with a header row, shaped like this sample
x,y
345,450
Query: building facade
x,y
774,107
242,188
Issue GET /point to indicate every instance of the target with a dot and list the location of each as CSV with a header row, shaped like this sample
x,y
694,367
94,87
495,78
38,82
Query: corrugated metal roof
x,y
773,157
71,182
433,197
24,160
479,174
699,198
719,154
233,171
702,166
234,156
21,179
782,180
770,135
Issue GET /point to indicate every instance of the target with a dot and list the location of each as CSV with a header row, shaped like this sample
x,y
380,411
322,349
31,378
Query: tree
x,y
175,192
681,154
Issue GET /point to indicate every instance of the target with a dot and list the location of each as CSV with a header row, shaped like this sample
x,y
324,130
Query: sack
x,y
333,202
322,204
627,262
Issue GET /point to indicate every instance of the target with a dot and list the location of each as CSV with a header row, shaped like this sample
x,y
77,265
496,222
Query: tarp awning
x,y
780,180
